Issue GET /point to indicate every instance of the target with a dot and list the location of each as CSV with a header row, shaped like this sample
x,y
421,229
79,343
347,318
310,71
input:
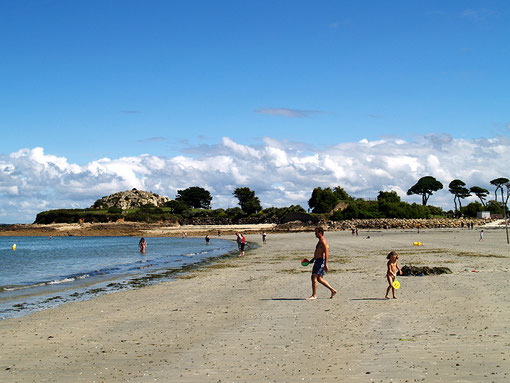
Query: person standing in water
x,y
239,240
207,238
142,245
243,245
320,266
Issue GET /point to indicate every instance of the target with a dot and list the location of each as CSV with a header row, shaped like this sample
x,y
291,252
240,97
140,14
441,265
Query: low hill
x,y
130,199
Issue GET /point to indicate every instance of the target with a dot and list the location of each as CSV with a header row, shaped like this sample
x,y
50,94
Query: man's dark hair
x,y
320,230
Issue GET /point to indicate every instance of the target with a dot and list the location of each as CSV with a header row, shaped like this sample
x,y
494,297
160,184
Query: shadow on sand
x,y
369,299
283,299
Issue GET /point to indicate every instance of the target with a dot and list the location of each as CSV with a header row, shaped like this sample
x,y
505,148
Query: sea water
x,y
44,272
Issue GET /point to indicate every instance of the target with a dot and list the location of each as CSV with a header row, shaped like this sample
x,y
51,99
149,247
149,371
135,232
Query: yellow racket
x,y
396,284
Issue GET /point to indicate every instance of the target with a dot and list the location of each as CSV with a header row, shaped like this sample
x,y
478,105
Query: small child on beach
x,y
391,273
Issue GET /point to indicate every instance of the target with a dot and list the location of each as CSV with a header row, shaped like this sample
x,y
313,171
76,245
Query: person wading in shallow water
x,y
243,244
320,266
142,245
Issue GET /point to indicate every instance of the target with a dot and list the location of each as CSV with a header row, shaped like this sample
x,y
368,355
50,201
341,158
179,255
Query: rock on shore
x,y
130,199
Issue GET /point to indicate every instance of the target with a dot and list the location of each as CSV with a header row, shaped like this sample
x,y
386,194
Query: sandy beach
x,y
246,319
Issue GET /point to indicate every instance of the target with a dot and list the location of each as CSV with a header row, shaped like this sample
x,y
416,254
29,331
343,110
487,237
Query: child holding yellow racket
x,y
392,273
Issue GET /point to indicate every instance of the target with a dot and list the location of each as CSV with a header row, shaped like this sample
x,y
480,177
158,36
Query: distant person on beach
x,y
357,232
239,240
207,239
142,245
264,235
320,266
243,245
481,236
391,273
219,233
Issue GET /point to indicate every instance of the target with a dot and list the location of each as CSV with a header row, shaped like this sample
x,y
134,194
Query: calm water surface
x,y
44,272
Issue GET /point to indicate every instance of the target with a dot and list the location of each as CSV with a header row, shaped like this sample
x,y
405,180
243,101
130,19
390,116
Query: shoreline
x,y
18,301
131,229
246,319
137,229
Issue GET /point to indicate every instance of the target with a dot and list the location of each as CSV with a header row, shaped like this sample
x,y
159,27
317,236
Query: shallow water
x,y
44,272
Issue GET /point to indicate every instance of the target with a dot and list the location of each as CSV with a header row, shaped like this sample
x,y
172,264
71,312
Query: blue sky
x,y
94,79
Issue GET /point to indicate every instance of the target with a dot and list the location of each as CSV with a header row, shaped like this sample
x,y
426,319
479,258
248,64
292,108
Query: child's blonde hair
x,y
391,254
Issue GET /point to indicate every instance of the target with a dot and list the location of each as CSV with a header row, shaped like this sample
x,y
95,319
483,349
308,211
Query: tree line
x,y
427,185
194,204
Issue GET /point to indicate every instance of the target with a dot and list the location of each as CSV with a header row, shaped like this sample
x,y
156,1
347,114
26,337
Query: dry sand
x,y
245,319
135,229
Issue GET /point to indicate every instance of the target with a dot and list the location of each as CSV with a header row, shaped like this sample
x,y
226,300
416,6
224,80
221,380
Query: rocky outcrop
x,y
130,199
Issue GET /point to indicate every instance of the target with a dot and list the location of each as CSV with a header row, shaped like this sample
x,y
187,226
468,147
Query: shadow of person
x,y
368,299
283,299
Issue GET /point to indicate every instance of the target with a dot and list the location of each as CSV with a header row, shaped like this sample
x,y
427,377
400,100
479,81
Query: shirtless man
x,y
320,266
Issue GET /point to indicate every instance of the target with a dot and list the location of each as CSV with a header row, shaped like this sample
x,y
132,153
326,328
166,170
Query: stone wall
x,y
398,223
385,223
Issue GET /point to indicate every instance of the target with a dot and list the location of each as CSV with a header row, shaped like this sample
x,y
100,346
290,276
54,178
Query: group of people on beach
x,y
320,262
320,267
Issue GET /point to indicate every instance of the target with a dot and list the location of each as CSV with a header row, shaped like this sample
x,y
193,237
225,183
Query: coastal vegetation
x,y
192,206
426,186
195,197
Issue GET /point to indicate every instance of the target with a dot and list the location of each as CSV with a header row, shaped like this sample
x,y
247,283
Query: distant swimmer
x,y
142,245
207,239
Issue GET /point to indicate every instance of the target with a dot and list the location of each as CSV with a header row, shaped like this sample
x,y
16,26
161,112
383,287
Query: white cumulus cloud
x,y
281,173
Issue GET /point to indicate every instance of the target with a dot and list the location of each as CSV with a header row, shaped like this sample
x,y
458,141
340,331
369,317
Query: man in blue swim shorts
x,y
320,266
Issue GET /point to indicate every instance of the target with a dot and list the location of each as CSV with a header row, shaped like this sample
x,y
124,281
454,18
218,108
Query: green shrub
x,y
472,208
235,213
385,207
177,207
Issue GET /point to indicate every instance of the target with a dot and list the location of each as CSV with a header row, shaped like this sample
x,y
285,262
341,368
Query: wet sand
x,y
246,319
